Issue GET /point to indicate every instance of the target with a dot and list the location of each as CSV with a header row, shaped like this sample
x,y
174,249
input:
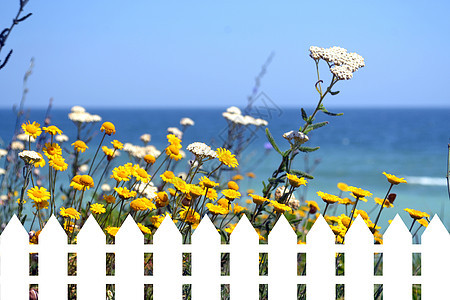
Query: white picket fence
x,y
244,249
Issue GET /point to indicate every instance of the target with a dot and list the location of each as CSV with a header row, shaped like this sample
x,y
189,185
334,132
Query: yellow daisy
x,y
207,183
117,145
359,193
328,198
121,173
394,179
144,229
258,199
69,212
58,163
231,194
279,207
216,209
295,181
150,159
40,163
167,176
108,128
53,130
32,129
79,146
227,158
124,193
52,150
97,208
38,194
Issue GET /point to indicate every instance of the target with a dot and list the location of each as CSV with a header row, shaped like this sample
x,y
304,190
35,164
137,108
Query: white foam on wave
x,y
438,181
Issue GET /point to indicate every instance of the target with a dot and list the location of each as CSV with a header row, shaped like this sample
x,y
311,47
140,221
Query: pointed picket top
x,y
397,242
206,231
129,229
167,228
358,231
52,229
14,229
52,260
243,231
435,228
206,261
282,259
91,229
320,230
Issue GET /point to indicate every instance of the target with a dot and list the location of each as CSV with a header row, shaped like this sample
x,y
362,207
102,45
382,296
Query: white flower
x,y
342,72
105,187
62,138
29,157
297,136
3,152
176,132
84,168
187,122
293,203
17,145
2,171
24,137
234,110
261,122
148,190
182,175
84,117
201,150
77,109
146,138
95,118
140,152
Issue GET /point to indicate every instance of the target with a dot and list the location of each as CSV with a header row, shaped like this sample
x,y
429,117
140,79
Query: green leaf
x,y
304,115
315,126
334,93
302,174
272,141
275,180
308,149
333,114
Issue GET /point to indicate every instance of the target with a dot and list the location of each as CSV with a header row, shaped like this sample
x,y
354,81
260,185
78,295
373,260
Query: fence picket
x,y
320,260
244,259
91,261
14,261
206,261
129,261
282,256
358,261
52,261
397,260
167,262
435,260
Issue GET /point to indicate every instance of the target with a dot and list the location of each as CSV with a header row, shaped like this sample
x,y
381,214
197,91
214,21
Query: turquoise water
x,y
355,148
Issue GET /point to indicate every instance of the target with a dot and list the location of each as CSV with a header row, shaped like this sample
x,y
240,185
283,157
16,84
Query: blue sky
x,y
207,53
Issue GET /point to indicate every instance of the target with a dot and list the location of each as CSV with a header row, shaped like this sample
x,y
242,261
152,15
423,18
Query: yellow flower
x,y
148,203
295,181
231,194
258,199
416,214
112,230
250,191
251,175
233,185
69,212
237,209
117,145
344,220
189,216
227,158
423,222
156,220
144,229
86,181
141,174
331,219
359,193
346,201
174,140
162,199
180,185
342,186
207,183
40,163
167,176
108,128
379,201
75,183
97,208
279,207
212,194
338,229
394,179
224,203
58,163
124,193
173,152
195,191
53,130
138,205
237,177
108,151
362,213
110,199
52,150
230,229
150,159
328,198
121,173
33,129
41,204
80,146
313,207
38,194
216,209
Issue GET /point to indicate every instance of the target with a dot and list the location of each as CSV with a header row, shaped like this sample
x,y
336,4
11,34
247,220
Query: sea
x,y
355,148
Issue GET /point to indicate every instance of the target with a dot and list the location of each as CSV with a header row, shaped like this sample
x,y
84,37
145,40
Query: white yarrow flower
x,y
106,187
296,136
77,109
17,145
3,152
61,138
187,122
146,138
175,131
234,110
2,171
24,137
201,150
29,157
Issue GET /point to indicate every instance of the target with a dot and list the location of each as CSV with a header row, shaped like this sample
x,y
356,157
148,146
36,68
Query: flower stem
x,y
96,152
381,208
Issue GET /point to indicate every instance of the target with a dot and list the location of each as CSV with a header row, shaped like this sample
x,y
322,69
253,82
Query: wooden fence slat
x,y
282,257
244,261
14,261
358,261
206,261
52,261
129,261
435,261
91,261
320,260
167,262
397,261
